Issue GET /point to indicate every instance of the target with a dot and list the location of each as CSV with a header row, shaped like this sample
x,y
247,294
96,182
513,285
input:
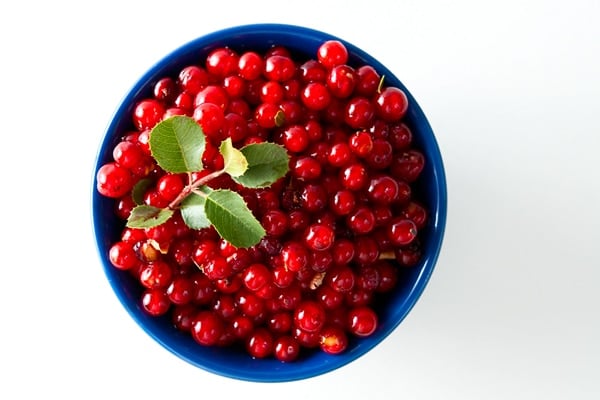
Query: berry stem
x,y
380,85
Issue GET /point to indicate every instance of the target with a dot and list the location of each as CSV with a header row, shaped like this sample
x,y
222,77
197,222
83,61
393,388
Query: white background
x,y
512,91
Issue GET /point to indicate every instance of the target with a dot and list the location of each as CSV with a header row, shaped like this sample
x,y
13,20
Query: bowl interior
x,y
231,362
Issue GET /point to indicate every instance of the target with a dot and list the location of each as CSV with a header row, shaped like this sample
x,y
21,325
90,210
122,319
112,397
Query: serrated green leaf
x,y
139,190
232,218
145,216
267,162
192,212
177,144
235,163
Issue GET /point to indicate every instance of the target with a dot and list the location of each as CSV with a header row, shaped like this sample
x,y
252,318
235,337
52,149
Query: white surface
x,y
512,91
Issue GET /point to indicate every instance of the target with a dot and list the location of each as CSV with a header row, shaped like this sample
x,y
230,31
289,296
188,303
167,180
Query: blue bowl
x,y
237,364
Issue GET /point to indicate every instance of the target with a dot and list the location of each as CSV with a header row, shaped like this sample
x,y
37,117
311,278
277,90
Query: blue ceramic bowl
x,y
236,364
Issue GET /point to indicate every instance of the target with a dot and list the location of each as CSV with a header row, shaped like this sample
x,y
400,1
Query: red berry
x,y
130,155
185,100
242,326
367,80
210,117
271,92
408,165
402,231
249,303
113,180
260,343
400,136
391,104
362,321
156,275
306,168
165,90
342,202
279,68
361,143
235,127
383,189
275,222
361,220
207,328
295,138
280,322
313,197
333,340
313,71
250,65
416,213
367,250
294,256
340,155
286,348
309,316
307,339
234,86
381,156
319,237
315,96
268,115
343,251
212,94
217,268
408,255
155,302
359,113
148,113
256,276
354,177
191,79
332,53
169,186
341,81
222,62
329,297
341,278
123,256
182,317
181,290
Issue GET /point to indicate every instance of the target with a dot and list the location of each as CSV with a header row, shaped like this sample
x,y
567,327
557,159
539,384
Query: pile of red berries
x,y
339,225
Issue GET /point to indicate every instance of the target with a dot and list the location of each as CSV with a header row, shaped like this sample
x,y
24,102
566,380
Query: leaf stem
x,y
193,185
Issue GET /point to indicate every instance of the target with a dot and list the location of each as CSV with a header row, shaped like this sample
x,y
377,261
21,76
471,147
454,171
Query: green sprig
x,y
177,145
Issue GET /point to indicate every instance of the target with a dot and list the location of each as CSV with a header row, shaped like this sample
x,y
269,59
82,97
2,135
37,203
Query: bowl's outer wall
x,y
303,42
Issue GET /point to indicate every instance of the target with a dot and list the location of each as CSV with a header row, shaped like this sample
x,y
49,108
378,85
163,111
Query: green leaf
x,y
235,162
177,144
267,162
192,212
232,218
138,191
145,216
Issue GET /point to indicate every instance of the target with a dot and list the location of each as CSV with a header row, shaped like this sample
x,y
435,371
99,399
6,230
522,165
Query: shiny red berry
x,y
332,53
402,231
362,321
113,181
391,104
147,114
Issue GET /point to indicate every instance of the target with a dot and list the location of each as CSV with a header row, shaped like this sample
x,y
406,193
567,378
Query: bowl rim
x,y
439,217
